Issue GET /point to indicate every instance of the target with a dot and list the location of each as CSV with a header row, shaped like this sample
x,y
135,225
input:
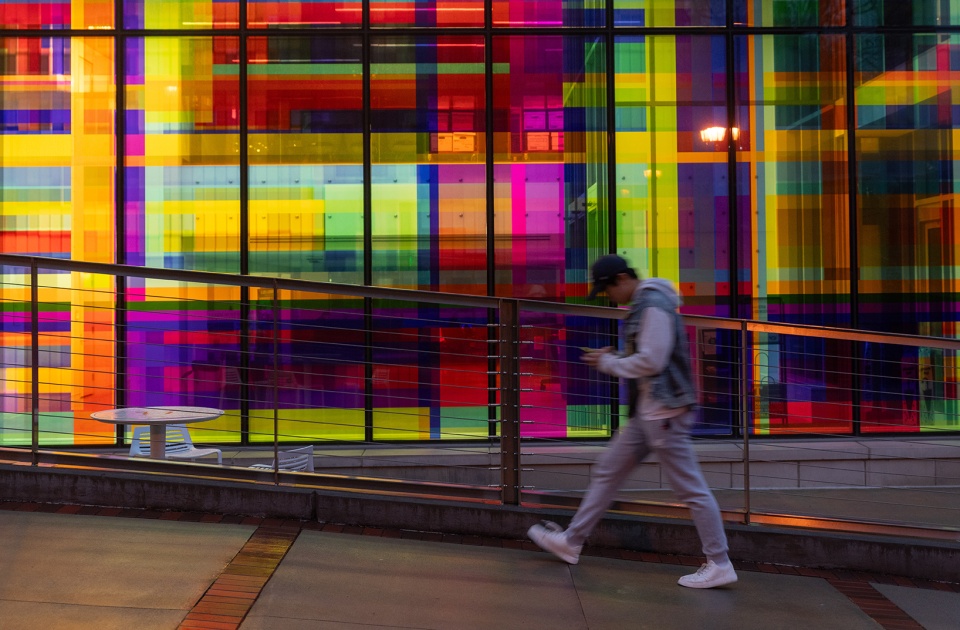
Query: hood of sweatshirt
x,y
665,287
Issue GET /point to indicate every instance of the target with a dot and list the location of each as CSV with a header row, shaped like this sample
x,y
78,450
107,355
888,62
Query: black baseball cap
x,y
604,271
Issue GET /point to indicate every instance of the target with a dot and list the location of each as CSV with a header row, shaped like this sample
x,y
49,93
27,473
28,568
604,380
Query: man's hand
x,y
593,356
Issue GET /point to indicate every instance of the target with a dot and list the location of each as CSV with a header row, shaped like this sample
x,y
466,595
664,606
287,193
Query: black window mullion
x,y
367,229
853,213
493,364
244,179
614,390
120,223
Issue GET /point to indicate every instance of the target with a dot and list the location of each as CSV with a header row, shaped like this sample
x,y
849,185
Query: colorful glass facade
x,y
791,161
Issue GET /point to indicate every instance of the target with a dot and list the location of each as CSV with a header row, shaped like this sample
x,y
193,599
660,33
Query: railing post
x,y
744,421
509,403
35,360
275,380
244,364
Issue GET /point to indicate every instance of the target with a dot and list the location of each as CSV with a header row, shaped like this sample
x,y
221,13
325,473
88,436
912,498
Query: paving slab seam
x,y
233,593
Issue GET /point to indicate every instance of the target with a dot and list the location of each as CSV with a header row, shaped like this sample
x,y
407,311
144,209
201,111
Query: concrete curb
x,y
908,557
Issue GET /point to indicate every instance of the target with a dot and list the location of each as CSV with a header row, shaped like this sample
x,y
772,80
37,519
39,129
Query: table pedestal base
x,y
158,441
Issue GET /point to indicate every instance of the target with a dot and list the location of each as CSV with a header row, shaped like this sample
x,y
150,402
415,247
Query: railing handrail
x,y
464,299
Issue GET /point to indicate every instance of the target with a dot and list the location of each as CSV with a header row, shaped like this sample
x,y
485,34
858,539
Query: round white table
x,y
157,418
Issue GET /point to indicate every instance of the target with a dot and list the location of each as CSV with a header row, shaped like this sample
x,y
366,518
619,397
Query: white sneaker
x,y
550,537
710,575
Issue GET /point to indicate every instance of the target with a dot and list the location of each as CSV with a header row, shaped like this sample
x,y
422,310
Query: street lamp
x,y
717,134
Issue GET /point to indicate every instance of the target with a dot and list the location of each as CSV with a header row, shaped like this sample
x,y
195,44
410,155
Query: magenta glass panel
x,y
427,13
281,13
509,13
550,203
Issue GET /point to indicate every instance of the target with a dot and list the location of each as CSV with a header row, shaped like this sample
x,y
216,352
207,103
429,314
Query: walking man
x,y
656,363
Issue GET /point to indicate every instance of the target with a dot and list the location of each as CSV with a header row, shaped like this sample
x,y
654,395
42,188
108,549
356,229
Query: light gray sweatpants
x,y
679,463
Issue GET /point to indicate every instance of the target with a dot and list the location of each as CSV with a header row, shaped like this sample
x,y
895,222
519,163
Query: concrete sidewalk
x,y
104,568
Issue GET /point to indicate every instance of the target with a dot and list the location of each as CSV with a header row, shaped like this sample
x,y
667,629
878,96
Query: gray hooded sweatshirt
x,y
656,352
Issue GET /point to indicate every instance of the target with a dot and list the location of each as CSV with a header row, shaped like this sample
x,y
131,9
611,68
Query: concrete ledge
x,y
547,467
153,492
909,557
853,462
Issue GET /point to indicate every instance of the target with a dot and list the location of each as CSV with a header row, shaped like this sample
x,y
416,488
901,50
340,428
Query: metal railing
x,y
469,397
858,429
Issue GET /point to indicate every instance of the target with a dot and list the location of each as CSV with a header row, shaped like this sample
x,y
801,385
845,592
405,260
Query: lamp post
x,y
718,134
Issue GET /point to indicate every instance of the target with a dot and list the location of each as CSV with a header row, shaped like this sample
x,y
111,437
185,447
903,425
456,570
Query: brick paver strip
x,y
873,603
231,596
